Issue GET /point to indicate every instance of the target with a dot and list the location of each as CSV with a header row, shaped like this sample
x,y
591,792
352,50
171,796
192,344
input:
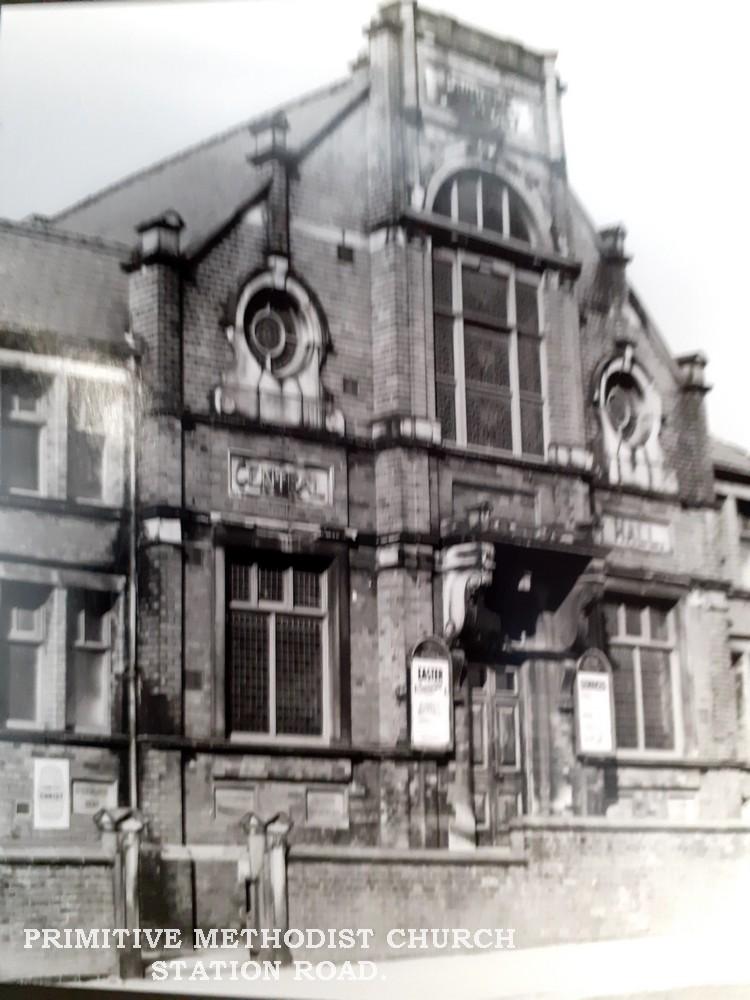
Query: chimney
x,y
160,237
271,148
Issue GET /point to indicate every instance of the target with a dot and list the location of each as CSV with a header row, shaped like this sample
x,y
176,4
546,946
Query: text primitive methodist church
x,y
345,476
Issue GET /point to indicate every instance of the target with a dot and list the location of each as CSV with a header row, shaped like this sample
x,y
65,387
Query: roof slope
x,y
204,183
730,458
55,282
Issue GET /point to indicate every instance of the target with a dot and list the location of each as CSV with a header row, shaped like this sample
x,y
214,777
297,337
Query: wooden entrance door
x,y
496,749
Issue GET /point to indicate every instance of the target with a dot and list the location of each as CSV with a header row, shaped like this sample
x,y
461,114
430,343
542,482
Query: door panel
x,y
496,749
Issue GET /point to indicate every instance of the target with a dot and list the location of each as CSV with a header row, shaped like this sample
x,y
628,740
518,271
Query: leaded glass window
x,y
489,382
278,647
484,200
641,643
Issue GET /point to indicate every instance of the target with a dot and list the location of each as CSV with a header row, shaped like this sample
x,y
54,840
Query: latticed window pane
x,y
442,203
656,684
467,199
445,399
488,420
20,456
611,620
306,588
527,308
632,619
442,285
443,345
249,671
270,583
239,587
623,679
299,676
532,427
485,295
659,618
492,204
486,356
529,364
518,226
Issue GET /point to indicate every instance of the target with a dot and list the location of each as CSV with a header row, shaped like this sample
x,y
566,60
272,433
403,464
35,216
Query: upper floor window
x,y
88,673
87,422
641,641
485,201
278,659
23,411
22,628
488,353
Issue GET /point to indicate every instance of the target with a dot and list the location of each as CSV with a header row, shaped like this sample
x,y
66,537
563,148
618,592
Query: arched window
x,y
484,200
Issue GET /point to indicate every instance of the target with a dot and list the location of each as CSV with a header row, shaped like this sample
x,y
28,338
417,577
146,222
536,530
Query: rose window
x,y
627,408
272,327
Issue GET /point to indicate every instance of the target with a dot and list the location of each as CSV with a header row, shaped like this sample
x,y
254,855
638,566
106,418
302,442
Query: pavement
x,y
705,967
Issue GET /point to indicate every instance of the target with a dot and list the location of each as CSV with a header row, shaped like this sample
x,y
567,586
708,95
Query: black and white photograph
x,y
374,500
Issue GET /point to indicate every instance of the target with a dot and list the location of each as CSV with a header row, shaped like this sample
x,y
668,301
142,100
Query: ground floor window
x,y
21,641
642,648
277,651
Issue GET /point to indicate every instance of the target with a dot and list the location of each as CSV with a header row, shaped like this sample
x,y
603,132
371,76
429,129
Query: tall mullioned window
x,y
277,676
22,633
489,360
641,644
88,418
88,665
22,420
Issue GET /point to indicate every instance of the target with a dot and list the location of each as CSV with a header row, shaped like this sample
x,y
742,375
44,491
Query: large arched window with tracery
x,y
488,325
486,201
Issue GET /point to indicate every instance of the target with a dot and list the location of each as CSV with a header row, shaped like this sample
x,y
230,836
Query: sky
x,y
654,113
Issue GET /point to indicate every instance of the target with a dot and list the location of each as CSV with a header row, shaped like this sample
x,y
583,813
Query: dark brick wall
x,y
57,895
17,786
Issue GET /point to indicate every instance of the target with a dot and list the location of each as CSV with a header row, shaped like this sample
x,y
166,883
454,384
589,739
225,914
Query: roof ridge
x,y
298,102
39,228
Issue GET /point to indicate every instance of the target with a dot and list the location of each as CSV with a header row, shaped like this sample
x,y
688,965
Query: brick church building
x,y
354,387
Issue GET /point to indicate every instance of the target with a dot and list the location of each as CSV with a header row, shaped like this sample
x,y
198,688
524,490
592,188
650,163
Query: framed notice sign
x,y
431,696
594,706
91,796
51,793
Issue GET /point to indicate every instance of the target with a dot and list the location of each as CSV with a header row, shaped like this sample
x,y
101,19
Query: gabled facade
x,y
394,385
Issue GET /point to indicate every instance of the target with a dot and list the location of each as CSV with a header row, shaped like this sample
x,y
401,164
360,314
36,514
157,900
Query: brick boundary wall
x,y
560,881
576,882
48,887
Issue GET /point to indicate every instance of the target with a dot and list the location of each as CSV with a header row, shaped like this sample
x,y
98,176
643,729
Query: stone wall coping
x,y
406,855
197,852
54,855
604,825
345,854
